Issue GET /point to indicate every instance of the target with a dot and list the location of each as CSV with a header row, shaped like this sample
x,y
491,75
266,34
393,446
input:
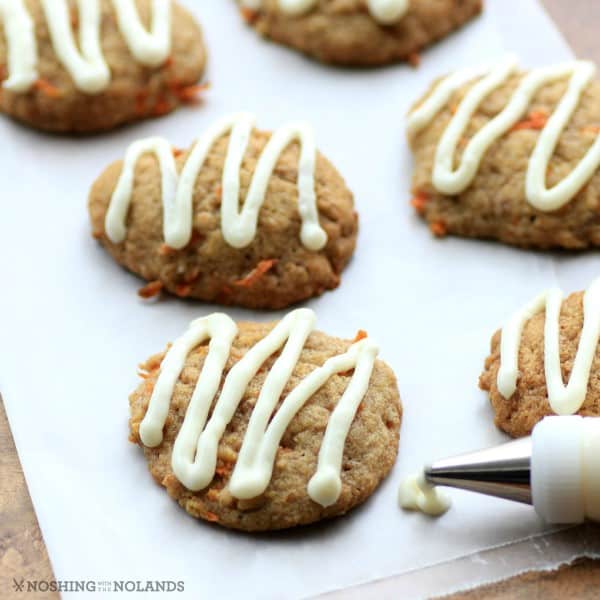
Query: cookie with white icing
x,y
267,426
243,217
546,360
358,32
84,66
510,155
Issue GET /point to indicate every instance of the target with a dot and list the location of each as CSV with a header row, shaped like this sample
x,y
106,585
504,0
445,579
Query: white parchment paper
x,y
73,330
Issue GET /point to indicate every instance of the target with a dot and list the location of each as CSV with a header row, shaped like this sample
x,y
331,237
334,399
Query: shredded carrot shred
x,y
219,191
210,516
148,368
183,290
223,470
594,129
162,107
414,59
190,93
153,363
212,494
192,275
165,250
361,334
97,235
418,202
177,152
535,120
140,103
47,88
263,267
438,228
248,14
150,290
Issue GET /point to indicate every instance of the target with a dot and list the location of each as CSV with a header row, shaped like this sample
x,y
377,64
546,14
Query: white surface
x,y
73,329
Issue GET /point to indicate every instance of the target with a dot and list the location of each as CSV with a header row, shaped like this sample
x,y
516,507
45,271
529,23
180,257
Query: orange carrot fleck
x,y
419,201
189,93
150,290
212,494
169,62
210,516
183,290
263,267
249,15
47,88
346,373
177,152
414,59
593,129
97,235
219,191
535,120
140,103
165,250
223,471
192,275
153,363
162,107
438,228
361,334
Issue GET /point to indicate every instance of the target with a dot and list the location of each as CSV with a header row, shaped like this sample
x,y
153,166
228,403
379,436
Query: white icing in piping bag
x,y
557,470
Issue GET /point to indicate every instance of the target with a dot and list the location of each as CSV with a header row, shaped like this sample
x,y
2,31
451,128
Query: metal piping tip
x,y
503,471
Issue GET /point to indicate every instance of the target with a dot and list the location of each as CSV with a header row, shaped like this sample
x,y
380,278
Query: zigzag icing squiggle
x,y
194,456
239,227
564,400
87,65
452,181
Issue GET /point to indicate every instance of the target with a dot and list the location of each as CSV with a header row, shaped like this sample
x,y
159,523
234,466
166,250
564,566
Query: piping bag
x,y
557,470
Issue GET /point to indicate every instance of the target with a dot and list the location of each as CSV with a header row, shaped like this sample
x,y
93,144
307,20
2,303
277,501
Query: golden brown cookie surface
x,y
55,103
369,452
344,32
529,404
495,204
274,271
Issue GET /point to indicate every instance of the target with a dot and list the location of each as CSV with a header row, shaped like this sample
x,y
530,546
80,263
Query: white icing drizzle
x,y
564,400
194,456
22,46
239,227
415,493
385,12
449,180
85,63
